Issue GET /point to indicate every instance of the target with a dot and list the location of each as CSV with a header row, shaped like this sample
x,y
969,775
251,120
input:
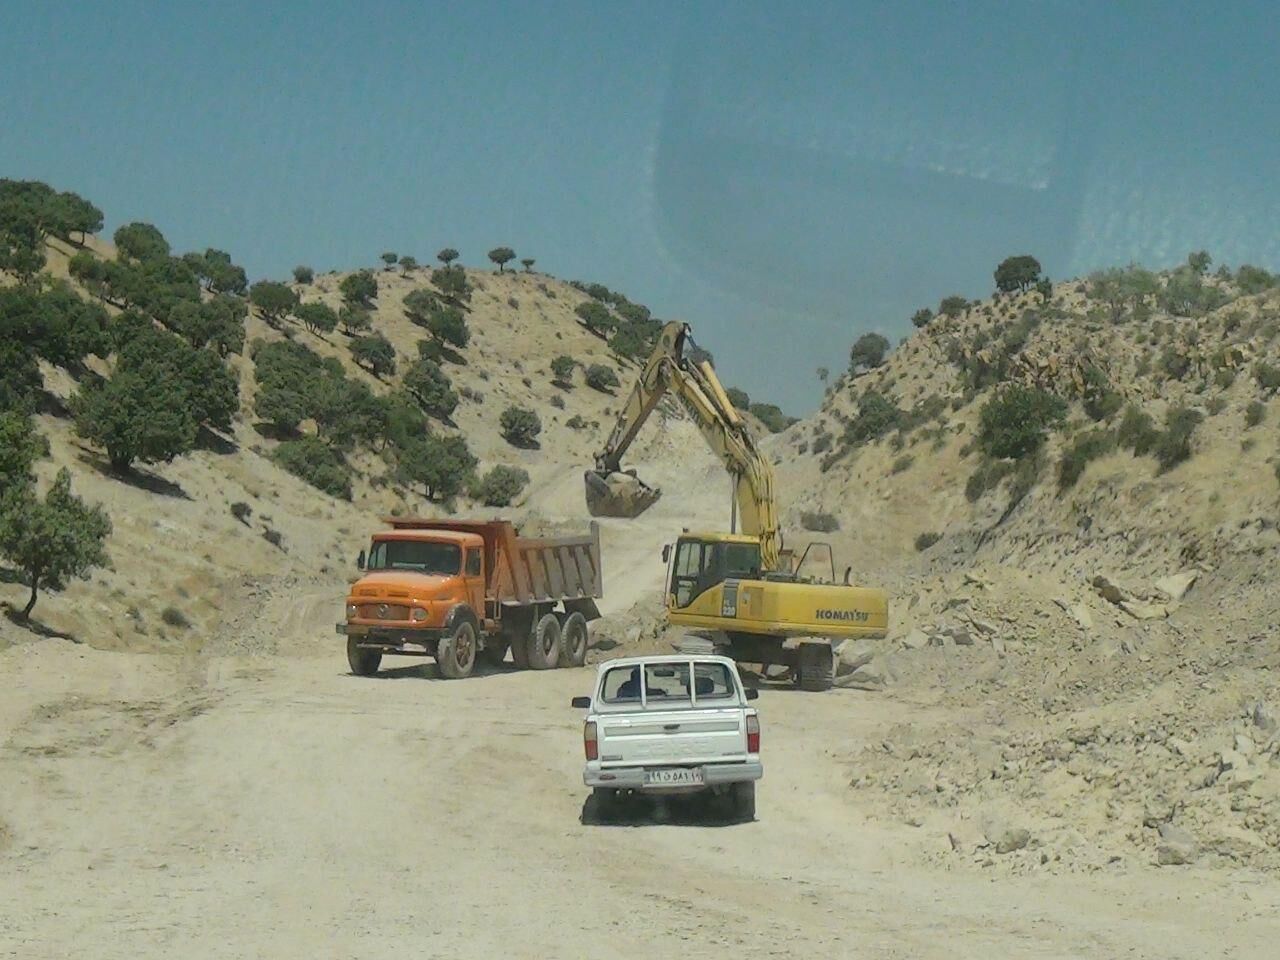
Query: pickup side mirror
x,y
582,703
666,552
752,693
360,561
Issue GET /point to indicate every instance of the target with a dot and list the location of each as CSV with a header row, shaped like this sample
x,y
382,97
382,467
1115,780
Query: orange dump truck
x,y
461,590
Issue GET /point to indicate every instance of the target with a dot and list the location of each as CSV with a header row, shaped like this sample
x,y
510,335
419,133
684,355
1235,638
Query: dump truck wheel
x,y
495,651
364,663
516,624
816,667
456,653
744,801
544,643
573,640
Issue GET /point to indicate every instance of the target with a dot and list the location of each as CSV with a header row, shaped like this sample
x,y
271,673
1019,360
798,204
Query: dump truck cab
x,y
417,577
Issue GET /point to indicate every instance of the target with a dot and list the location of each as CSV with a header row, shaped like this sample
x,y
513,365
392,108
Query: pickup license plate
x,y
673,777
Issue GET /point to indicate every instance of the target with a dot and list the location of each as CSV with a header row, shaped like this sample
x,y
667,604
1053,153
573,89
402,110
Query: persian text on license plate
x,y
674,777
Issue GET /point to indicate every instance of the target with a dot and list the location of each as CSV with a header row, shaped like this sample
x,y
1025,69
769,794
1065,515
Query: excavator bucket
x,y
618,494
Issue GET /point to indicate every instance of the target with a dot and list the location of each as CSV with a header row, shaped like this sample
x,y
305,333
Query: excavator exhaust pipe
x,y
618,494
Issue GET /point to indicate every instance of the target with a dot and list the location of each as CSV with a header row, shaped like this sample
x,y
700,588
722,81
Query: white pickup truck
x,y
672,724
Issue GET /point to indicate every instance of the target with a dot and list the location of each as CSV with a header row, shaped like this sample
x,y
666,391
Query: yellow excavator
x,y
741,591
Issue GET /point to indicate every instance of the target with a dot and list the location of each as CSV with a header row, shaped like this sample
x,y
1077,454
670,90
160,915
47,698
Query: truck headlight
x,y
352,611
419,614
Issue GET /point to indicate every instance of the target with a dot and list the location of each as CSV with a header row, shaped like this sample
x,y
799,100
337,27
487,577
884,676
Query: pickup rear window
x,y
667,685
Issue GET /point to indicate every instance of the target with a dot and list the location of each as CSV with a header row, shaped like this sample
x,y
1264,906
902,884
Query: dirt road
x,y
279,807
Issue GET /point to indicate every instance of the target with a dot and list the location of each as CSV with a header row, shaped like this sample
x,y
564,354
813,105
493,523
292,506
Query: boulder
x,y
1175,586
1264,718
873,675
853,654
1176,847
1006,839
915,640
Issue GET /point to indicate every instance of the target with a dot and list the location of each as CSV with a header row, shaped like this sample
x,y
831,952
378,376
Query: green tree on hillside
x,y
921,317
303,274
1017,273
317,317
601,377
51,540
595,315
739,398
354,319
502,256
419,305
141,241
562,368
528,263
520,426
77,215
376,353
452,284
1200,261
431,388
953,306
217,324
440,465
868,351
359,289
1014,422
316,463
499,486
21,445
216,271
389,259
134,417
274,300
447,256
408,265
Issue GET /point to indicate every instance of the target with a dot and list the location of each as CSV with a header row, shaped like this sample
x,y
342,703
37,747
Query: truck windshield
x,y
422,556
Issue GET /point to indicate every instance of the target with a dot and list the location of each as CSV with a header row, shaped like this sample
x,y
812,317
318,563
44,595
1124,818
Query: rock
x,y
975,580
1244,746
1007,839
961,636
1179,746
1110,587
998,646
1141,610
870,676
1231,760
633,635
1175,586
1176,847
1264,718
915,640
852,655
983,626
1076,611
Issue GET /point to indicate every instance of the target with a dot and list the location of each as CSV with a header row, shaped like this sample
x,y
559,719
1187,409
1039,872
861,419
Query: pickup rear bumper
x,y
632,778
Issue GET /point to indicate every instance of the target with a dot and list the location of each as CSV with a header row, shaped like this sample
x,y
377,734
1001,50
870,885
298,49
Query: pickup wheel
x,y
456,653
544,643
573,640
816,667
743,796
364,663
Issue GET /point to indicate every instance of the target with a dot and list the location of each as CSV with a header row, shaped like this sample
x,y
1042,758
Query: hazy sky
x,y
783,176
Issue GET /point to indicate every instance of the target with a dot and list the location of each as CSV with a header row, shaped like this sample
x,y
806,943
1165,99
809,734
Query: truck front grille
x,y
383,611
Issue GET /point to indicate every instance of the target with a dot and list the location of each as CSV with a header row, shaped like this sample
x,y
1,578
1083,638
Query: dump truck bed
x,y
527,570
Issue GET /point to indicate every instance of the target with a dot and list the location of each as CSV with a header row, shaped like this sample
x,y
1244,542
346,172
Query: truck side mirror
x,y
666,552
360,561
752,693
582,703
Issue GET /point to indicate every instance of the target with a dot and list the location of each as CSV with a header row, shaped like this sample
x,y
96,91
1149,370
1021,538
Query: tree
x,y
447,256
274,300
419,305
359,289
389,258
77,215
1044,287
499,486
739,398
303,274
502,256
601,377
141,241
595,315
217,324
771,416
562,368
53,540
376,353
868,351
1252,280
408,265
317,317
317,464
346,412
285,372
452,284
520,426
441,465
953,306
1200,261
431,388
448,325
528,263
1014,422
20,447
1017,273
921,318
219,274
876,416
134,417
354,319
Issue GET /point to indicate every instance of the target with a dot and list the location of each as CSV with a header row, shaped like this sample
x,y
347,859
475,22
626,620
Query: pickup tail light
x,y
753,734
589,742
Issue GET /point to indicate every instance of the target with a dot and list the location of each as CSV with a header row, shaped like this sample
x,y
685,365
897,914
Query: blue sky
x,y
784,177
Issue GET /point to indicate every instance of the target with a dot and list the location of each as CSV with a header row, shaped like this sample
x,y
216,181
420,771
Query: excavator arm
x,y
612,493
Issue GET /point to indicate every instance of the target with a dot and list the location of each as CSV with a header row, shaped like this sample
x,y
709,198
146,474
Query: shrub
x,y
303,274
1174,362
562,368
921,317
576,423
876,416
821,443
1268,377
315,462
595,315
452,284
738,398
927,540
953,306
20,447
1137,431
1014,422
1174,445
774,420
1086,447
1251,279
175,618
242,511
902,463
819,522
601,377
275,538
868,351
500,486
1254,414
520,426
1100,401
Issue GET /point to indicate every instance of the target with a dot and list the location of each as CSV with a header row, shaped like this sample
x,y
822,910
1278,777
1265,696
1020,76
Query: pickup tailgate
x,y
654,738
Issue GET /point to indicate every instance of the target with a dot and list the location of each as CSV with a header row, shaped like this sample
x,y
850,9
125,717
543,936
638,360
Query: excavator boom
x,y
611,492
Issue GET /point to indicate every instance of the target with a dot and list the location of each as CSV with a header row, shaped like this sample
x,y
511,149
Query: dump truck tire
x,y
456,653
744,801
573,640
495,651
364,663
544,643
816,667
516,626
